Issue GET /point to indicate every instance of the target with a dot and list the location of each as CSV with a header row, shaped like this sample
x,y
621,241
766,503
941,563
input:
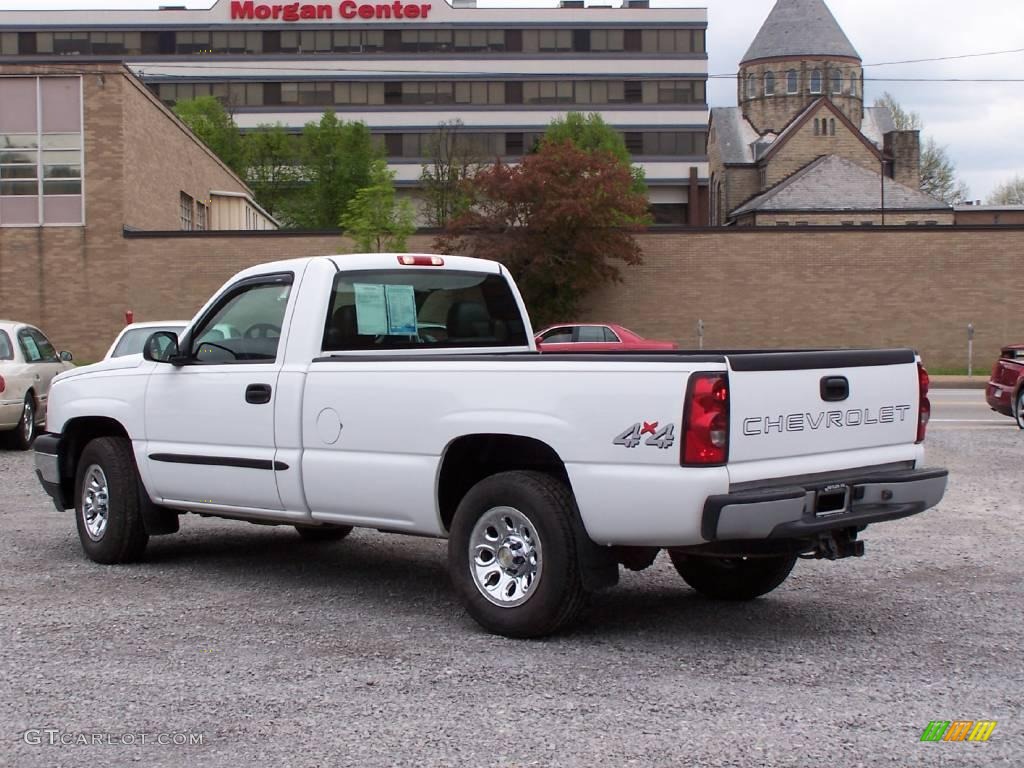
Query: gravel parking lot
x,y
275,651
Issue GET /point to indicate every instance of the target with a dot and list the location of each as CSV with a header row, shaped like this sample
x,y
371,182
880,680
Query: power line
x,y
944,58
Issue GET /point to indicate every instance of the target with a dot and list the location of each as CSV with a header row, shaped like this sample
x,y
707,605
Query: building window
x,y
202,217
792,81
769,83
186,212
816,81
751,86
817,127
837,81
832,127
41,151
853,83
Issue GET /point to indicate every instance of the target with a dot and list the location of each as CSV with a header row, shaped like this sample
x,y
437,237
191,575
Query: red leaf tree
x,y
560,221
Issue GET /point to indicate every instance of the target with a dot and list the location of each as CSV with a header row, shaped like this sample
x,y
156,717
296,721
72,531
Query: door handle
x,y
257,394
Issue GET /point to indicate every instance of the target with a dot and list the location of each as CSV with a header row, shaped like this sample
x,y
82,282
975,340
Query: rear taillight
x,y
706,420
3,384
924,408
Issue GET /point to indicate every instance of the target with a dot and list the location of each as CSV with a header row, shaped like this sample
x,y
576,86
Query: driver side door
x,y
210,422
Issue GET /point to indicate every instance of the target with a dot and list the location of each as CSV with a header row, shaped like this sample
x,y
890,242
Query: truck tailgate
x,y
789,404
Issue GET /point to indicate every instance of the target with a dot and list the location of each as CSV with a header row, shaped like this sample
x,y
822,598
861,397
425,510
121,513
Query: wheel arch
x,y
76,435
469,459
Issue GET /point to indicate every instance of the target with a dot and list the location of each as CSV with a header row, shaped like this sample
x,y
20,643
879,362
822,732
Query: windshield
x,y
132,341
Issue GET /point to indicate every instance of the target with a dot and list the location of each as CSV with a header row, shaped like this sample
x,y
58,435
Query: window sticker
x,y
371,309
401,300
31,348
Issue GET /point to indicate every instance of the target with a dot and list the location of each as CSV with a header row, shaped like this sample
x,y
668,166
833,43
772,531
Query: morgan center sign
x,y
347,9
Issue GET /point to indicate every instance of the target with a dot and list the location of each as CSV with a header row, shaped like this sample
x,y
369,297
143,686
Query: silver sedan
x,y
28,363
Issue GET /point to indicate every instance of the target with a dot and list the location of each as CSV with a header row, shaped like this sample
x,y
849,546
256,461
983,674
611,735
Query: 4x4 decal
x,y
662,438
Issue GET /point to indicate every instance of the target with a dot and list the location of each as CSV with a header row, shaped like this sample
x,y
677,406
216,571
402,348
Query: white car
x,y
28,362
132,337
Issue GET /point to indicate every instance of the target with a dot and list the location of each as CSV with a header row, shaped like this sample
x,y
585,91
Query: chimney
x,y
904,147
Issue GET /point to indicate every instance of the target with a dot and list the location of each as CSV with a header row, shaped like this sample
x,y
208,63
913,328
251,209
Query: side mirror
x,y
66,357
162,347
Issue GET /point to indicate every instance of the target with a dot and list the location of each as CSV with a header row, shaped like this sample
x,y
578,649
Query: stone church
x,y
801,148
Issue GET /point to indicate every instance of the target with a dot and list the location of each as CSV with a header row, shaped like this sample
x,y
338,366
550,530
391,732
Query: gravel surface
x,y
283,653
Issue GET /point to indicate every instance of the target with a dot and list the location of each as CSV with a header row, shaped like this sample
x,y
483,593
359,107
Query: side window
x,y
610,335
6,350
245,327
29,349
46,350
591,333
557,336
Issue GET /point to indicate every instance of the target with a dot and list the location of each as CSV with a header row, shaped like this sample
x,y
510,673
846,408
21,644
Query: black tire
x,y
554,597
1018,410
123,537
323,532
25,432
733,578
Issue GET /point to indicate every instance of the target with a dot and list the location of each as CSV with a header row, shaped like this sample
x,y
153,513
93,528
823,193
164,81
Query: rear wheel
x,y
733,578
1018,411
108,502
323,532
512,555
26,430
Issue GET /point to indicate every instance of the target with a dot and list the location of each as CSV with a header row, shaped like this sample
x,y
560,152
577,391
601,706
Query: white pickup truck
x,y
404,393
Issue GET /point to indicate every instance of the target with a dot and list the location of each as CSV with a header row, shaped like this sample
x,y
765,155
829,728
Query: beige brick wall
x,y
787,288
162,159
753,288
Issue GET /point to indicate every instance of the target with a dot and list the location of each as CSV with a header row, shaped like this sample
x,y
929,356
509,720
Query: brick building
x,y
801,147
89,146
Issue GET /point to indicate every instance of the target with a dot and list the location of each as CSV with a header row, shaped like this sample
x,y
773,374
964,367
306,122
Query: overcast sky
x,y
979,123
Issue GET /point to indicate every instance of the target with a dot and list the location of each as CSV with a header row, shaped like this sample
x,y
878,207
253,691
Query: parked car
x,y
132,337
595,337
544,472
28,362
1005,390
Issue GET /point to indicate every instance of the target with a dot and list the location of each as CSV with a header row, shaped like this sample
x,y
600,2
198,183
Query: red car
x,y
595,337
1005,390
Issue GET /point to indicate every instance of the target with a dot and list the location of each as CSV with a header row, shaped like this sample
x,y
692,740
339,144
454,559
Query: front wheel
x,y
733,578
108,502
26,431
512,555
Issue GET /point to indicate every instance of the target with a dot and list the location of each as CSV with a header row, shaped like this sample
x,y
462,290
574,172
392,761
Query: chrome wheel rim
x,y
28,417
95,502
1020,411
505,556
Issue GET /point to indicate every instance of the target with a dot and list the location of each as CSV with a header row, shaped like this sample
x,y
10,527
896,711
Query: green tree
x,y
938,173
453,161
560,220
335,158
1008,193
592,134
207,119
272,168
374,218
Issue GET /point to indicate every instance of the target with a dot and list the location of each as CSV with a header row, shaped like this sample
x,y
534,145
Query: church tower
x,y
799,55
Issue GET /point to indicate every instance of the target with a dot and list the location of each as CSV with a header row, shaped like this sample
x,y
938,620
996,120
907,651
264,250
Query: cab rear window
x,y
415,309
